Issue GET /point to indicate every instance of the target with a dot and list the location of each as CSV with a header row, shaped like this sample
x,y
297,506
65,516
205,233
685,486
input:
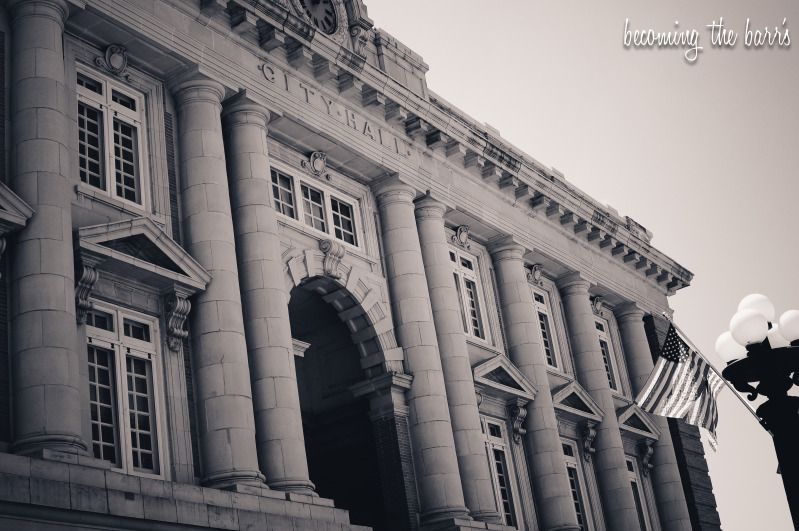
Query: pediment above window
x,y
574,400
14,212
635,420
501,377
139,250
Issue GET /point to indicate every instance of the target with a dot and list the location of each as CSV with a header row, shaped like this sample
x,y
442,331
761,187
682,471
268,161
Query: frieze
x,y
315,98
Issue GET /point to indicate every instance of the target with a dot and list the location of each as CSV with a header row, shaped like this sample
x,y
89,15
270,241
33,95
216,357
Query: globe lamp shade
x,y
759,303
775,338
729,349
789,325
748,326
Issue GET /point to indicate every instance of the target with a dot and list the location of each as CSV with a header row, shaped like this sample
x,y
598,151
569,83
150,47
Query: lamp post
x,y
759,351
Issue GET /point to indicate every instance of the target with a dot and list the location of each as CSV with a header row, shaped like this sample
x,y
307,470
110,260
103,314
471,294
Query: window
x,y
548,339
111,125
608,359
317,208
638,494
499,464
467,284
576,484
121,356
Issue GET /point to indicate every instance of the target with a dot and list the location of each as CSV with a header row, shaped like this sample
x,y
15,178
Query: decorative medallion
x,y
597,304
317,164
461,236
115,60
535,275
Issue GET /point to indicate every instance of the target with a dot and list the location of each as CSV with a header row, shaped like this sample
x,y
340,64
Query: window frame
x,y
111,111
502,443
546,308
637,483
328,195
604,335
122,347
462,274
573,461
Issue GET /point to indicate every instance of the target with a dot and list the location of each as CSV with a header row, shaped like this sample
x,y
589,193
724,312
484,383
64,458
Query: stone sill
x,y
55,486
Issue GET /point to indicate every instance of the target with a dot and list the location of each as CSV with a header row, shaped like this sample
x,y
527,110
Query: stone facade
x,y
256,275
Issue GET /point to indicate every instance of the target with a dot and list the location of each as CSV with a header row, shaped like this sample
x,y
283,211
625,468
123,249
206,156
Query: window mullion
x,y
110,164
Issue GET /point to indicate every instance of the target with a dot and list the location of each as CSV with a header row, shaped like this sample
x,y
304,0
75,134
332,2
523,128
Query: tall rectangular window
x,y
343,221
470,294
608,359
314,207
548,340
111,124
576,485
501,469
638,494
121,355
283,193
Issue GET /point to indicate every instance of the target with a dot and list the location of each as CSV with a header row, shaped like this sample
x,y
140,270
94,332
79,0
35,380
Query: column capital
x,y
573,283
195,86
506,248
243,108
392,189
57,10
629,312
427,207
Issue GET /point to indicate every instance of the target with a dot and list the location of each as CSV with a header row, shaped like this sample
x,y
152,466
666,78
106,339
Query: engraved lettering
x,y
367,130
308,92
351,119
268,72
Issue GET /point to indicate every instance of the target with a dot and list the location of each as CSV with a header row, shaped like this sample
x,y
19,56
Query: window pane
x,y
343,221
543,323
283,194
89,83
603,345
100,319
473,306
140,397
90,142
314,208
126,161
136,330
123,99
577,496
503,483
538,298
494,431
460,300
102,404
638,505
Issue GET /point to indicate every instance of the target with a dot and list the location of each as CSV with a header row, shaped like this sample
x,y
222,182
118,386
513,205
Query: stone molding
x,y
177,310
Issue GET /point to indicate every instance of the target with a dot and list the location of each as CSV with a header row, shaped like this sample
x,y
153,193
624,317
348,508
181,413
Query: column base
x,y
300,486
463,524
443,515
228,480
486,516
61,442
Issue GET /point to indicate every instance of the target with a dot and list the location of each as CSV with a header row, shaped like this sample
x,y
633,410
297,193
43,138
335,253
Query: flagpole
x,y
714,369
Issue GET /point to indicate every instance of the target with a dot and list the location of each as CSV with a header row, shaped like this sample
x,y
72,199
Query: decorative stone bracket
x,y
646,449
177,309
597,304
86,277
334,252
518,412
588,433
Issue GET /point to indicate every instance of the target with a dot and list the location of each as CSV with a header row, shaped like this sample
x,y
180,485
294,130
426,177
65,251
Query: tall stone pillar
x,y
666,481
469,439
437,474
542,441
224,399
610,461
45,361
278,422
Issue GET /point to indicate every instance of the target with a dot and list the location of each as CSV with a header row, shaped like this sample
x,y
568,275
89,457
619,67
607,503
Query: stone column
x,y
666,480
610,463
437,474
469,439
544,449
278,421
45,360
224,399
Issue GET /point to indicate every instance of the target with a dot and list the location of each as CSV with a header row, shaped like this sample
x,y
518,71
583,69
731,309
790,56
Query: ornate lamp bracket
x,y
646,449
177,309
86,275
334,252
461,237
317,165
588,432
518,413
535,275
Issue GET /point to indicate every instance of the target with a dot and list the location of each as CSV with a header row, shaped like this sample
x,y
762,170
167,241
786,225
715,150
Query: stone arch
x,y
358,305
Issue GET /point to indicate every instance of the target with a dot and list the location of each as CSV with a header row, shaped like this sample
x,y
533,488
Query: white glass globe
x,y
748,326
729,349
775,338
789,325
759,303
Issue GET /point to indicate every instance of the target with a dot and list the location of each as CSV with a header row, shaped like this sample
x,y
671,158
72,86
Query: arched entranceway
x,y
339,441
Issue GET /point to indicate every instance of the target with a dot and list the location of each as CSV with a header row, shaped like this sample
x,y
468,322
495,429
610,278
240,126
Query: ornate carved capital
x,y
86,275
177,309
518,412
461,236
334,252
646,449
535,274
588,434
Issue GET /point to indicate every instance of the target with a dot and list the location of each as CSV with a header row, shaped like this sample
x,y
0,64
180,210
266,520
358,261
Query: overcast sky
x,y
705,155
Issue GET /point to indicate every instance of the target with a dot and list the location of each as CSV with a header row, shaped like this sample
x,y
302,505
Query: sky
x,y
704,154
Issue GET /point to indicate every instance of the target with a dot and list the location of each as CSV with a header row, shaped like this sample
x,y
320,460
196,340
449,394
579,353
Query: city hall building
x,y
256,275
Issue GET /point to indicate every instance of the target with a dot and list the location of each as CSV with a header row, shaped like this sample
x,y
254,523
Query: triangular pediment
x,y
500,375
572,398
634,419
138,249
14,212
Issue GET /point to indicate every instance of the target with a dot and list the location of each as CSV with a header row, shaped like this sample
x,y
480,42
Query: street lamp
x,y
759,351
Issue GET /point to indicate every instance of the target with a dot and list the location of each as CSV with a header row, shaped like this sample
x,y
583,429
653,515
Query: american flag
x,y
683,385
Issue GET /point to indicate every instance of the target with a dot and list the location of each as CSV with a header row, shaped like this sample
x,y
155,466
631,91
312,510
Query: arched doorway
x,y
339,440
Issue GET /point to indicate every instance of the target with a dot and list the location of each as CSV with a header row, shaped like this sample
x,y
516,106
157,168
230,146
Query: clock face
x,y
322,13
